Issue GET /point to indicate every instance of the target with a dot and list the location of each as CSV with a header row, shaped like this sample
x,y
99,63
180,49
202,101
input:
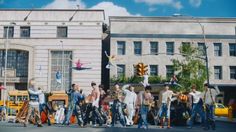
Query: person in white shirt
x,y
33,104
130,100
145,80
195,98
42,105
164,103
209,98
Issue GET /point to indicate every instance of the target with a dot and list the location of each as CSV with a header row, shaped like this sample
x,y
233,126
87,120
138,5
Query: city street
x,y
10,127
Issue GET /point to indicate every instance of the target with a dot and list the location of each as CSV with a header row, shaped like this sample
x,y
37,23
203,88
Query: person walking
x,y
164,103
209,99
33,107
130,100
196,101
144,100
117,106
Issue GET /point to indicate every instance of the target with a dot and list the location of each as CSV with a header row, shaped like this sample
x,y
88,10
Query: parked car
x,y
221,110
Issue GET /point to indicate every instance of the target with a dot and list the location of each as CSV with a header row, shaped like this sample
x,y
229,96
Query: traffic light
x,y
141,69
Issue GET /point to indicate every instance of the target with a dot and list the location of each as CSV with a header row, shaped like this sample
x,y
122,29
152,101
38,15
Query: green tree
x,y
191,68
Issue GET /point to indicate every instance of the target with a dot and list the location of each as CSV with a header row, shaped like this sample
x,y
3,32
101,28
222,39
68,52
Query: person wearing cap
x,y
209,99
196,101
144,100
130,100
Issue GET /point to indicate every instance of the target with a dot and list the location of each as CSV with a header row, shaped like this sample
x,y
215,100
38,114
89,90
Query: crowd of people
x,y
124,105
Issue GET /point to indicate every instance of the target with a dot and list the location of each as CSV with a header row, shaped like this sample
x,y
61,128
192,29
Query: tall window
x,y
170,48
218,49
120,71
62,32
137,48
169,71
232,72
218,72
121,48
153,48
153,70
16,60
232,49
10,32
56,67
25,32
201,49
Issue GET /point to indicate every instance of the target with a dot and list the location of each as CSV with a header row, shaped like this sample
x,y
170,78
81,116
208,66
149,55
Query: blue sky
x,y
197,8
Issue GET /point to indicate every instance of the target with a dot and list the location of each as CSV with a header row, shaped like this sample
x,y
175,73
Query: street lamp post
x,y
5,66
205,50
62,66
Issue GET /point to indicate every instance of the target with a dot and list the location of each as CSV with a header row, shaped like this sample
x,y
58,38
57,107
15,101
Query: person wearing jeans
x,y
95,105
165,102
74,107
196,106
117,106
144,101
209,97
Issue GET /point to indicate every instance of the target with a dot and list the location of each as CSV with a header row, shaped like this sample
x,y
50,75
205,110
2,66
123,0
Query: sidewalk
x,y
225,119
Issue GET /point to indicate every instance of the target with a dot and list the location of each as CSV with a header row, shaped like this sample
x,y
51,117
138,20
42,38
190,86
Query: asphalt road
x,y
13,127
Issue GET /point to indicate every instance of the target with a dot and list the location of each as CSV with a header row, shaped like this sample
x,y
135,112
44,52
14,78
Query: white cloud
x,y
111,9
65,4
195,3
174,3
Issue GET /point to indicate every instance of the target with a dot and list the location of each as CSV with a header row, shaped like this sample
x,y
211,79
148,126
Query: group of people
x,y
203,103
124,106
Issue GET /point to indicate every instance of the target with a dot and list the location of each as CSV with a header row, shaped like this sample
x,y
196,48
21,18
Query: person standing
x,y
117,106
196,102
144,100
209,99
33,107
42,105
70,101
145,80
164,103
76,97
95,105
130,100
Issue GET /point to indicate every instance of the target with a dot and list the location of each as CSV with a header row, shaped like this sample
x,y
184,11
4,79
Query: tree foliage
x,y
191,68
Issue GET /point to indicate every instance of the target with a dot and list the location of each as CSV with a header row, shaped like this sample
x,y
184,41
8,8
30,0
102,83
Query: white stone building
x,y
37,39
138,39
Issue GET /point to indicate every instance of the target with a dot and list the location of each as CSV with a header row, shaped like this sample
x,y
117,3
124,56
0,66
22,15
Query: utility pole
x,y
5,68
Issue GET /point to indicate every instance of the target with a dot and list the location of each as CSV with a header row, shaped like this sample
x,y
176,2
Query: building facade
x,y
156,40
47,44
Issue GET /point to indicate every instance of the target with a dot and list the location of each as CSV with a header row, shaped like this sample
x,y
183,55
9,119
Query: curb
x,y
226,121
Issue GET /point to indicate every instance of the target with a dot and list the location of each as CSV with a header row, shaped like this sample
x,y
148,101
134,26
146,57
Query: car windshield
x,y
220,106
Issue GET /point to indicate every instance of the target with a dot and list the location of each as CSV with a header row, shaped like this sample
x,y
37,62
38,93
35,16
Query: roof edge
x,y
17,9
